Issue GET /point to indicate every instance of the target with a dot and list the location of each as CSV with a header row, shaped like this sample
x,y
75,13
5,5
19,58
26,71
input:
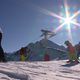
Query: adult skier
x,y
71,52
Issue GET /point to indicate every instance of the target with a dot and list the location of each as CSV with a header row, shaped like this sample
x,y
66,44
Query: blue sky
x,y
21,22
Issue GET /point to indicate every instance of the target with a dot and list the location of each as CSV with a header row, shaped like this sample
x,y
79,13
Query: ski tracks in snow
x,y
51,70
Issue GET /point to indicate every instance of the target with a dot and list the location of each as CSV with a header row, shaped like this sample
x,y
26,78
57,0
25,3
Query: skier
x,y
2,56
71,52
22,54
46,57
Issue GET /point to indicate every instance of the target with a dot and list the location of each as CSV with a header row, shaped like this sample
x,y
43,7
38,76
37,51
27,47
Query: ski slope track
x,y
39,70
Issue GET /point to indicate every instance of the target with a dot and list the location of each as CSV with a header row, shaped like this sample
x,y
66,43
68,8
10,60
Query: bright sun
x,y
65,21
68,20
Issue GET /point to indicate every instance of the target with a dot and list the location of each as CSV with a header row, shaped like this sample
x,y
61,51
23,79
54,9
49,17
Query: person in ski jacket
x,y
46,57
2,55
22,54
71,52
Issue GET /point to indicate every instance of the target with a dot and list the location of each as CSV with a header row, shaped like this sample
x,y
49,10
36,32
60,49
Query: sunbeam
x,y
75,14
47,12
75,23
66,21
59,28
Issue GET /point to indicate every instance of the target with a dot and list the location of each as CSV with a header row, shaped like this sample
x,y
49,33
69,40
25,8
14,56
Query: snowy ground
x,y
52,70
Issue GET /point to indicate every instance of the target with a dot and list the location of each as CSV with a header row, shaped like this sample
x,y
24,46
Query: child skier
x,y
46,57
22,54
71,52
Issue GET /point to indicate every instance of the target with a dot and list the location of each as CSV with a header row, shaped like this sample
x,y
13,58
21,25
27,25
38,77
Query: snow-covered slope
x,y
52,70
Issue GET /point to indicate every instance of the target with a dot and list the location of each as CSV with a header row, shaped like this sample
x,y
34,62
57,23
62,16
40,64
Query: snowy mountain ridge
x,y
39,49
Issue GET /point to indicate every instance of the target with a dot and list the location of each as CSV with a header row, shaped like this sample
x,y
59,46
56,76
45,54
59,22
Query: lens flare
x,y
65,21
68,20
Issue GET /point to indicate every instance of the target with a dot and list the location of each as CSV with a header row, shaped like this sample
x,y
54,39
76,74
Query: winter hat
x,y
66,42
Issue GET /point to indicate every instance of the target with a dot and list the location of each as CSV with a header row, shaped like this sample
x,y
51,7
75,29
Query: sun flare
x,y
65,20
